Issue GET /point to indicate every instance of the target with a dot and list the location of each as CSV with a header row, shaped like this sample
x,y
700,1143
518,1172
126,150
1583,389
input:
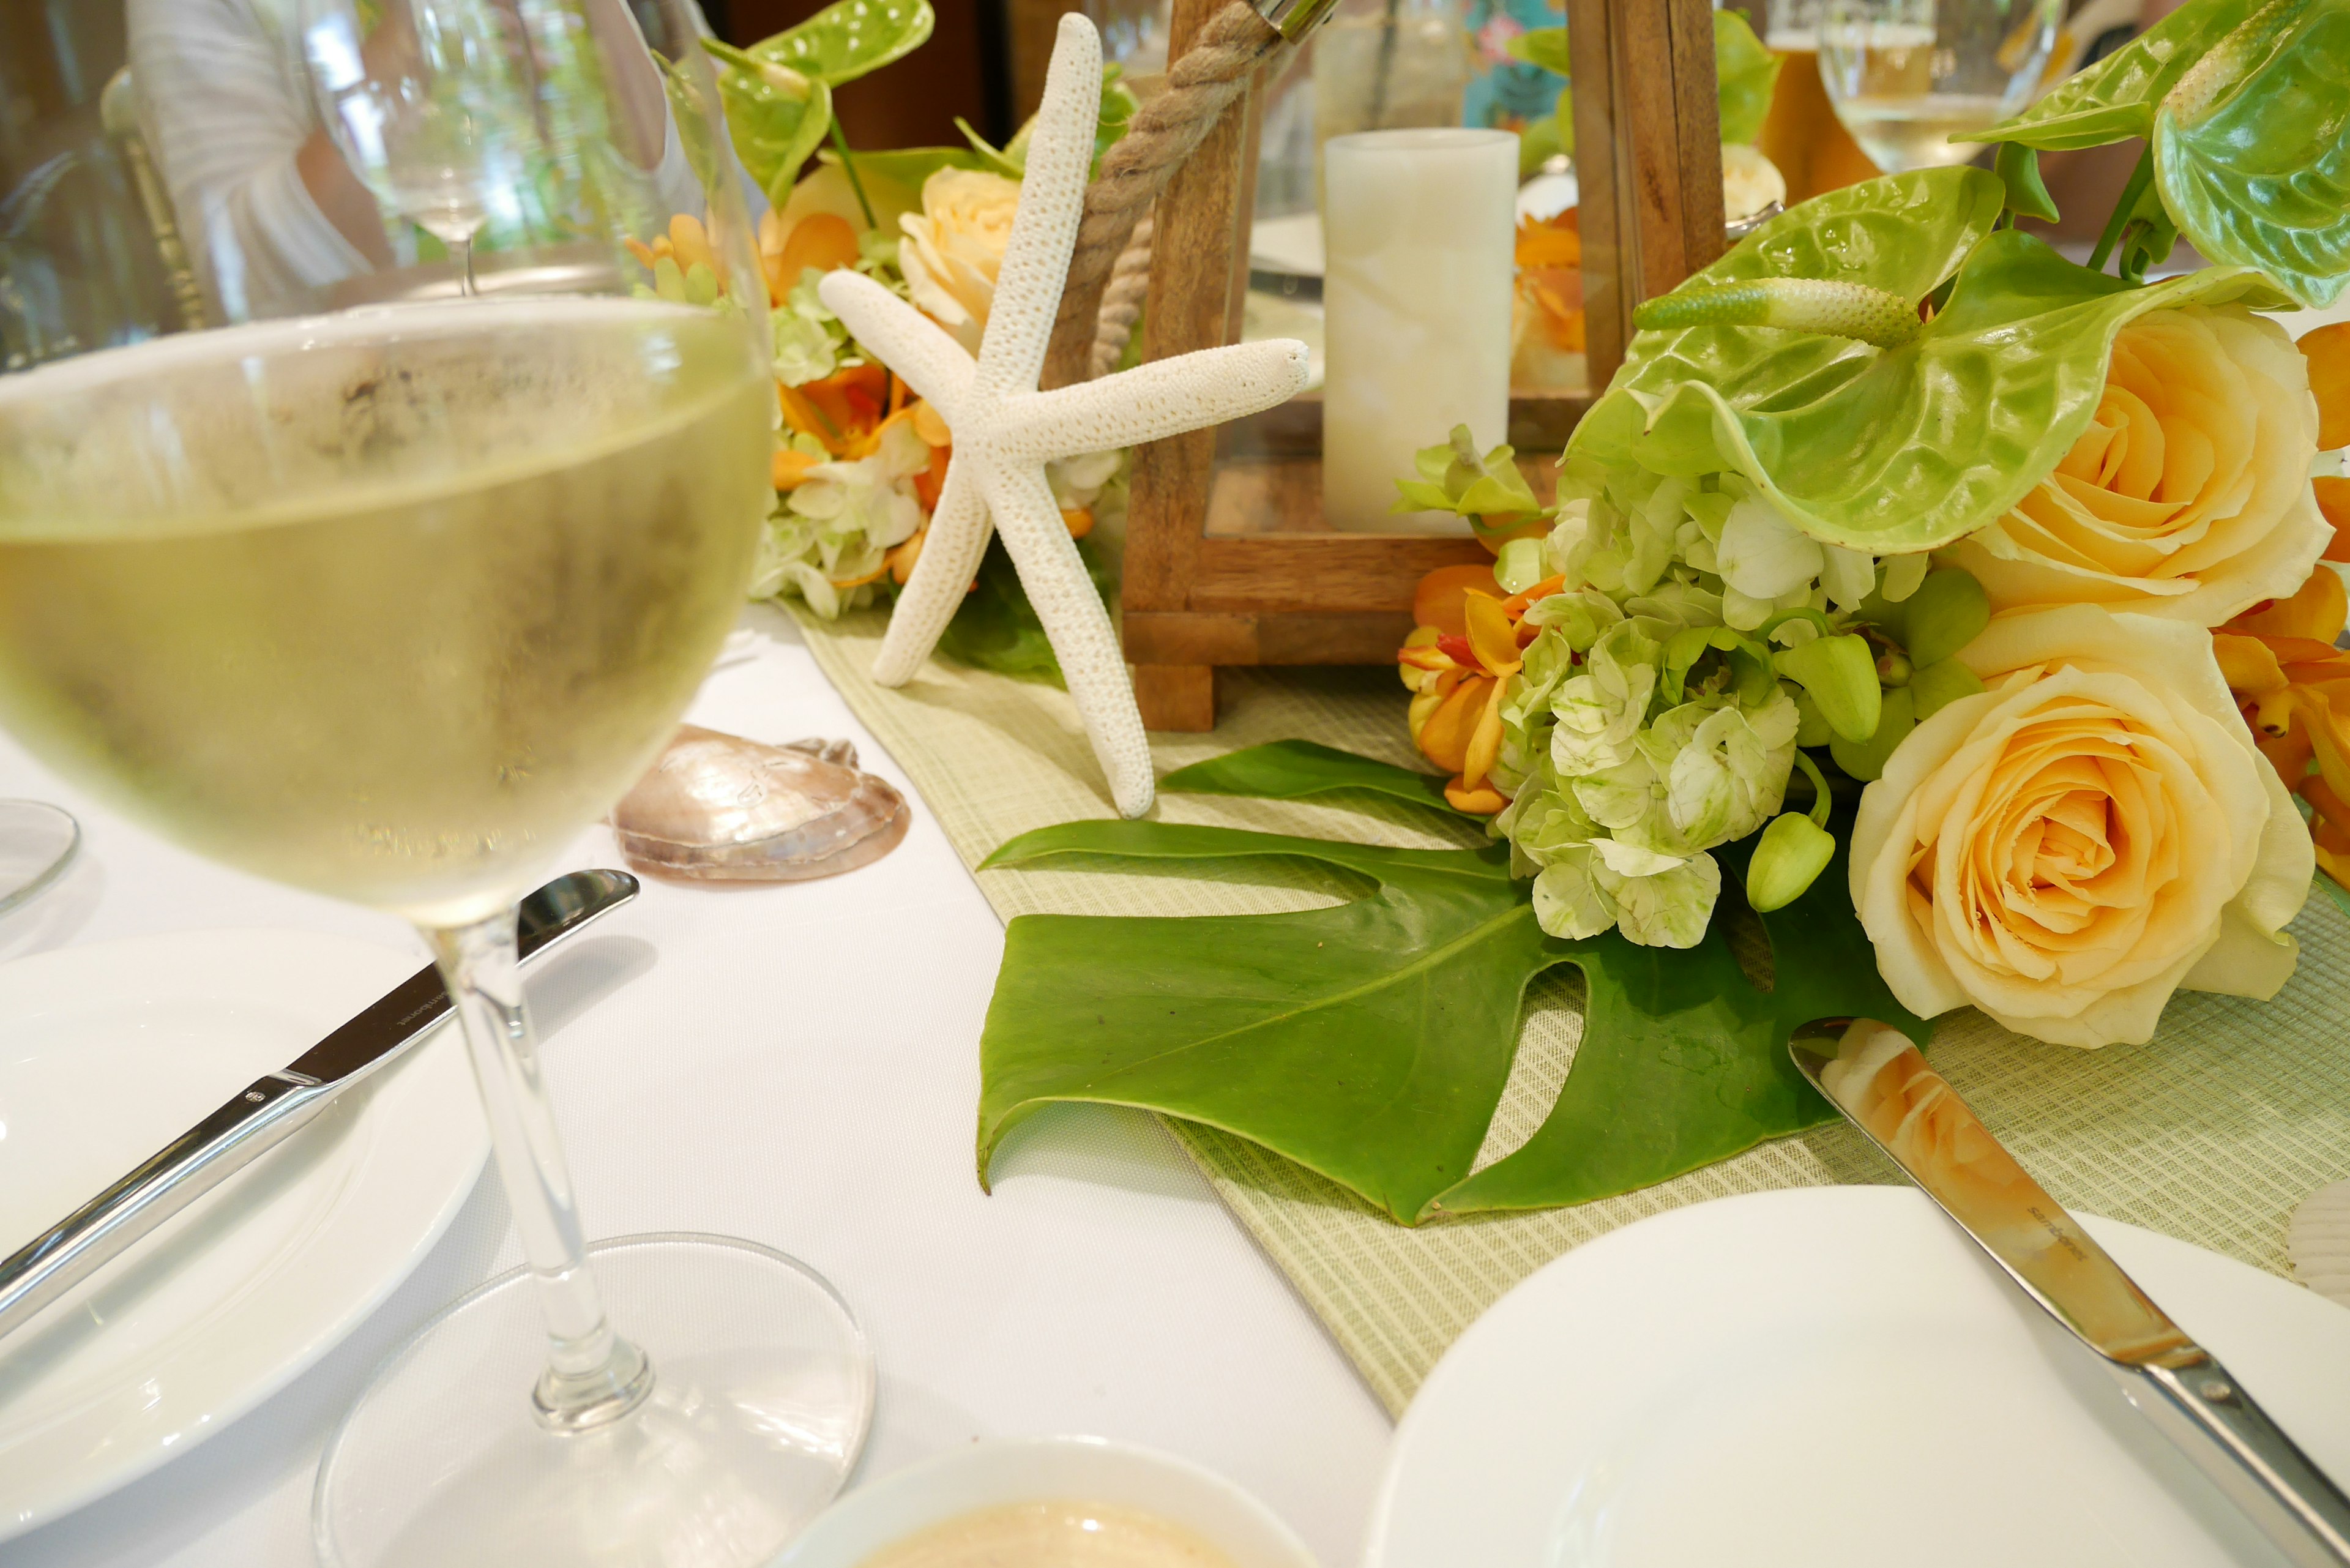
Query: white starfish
x,y
1005,430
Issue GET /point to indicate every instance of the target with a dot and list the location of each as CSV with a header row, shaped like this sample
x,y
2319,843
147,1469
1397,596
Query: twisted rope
x,y
1121,303
1200,86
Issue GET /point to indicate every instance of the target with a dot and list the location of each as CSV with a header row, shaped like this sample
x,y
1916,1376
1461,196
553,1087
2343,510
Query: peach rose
x,y
2066,849
953,247
2187,497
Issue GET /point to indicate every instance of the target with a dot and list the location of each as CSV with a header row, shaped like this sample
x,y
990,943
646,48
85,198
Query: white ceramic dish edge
x,y
1020,1470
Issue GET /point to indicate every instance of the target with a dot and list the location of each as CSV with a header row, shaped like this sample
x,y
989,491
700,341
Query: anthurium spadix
x,y
1886,449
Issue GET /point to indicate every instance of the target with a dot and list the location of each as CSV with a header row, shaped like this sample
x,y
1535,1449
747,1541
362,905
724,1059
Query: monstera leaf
x,y
1902,449
1296,769
1372,1042
849,38
2252,149
2116,99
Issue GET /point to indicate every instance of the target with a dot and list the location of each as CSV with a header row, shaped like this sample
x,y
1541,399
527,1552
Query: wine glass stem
x,y
593,1376
464,249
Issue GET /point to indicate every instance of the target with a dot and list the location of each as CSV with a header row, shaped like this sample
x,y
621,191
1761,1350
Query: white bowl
x,y
1031,1470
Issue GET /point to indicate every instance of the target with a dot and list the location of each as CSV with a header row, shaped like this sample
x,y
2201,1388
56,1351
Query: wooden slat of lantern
x,y
1230,563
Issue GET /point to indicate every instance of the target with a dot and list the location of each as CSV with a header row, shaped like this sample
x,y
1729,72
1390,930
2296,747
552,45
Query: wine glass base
x,y
762,1392
38,842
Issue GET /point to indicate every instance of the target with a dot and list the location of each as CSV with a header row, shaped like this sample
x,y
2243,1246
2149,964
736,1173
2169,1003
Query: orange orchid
x,y
1549,256
2292,686
686,244
1459,661
820,240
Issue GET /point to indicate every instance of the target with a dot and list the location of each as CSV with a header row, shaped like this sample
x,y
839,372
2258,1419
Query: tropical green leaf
x,y
2116,99
686,111
2252,148
1544,46
995,627
1294,770
1903,448
1372,1042
1746,73
849,38
776,118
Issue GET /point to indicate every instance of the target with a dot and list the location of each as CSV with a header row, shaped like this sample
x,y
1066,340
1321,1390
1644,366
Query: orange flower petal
x,y
1444,741
2334,502
821,240
2328,351
1485,741
1437,601
2316,611
791,467
1491,633
1482,799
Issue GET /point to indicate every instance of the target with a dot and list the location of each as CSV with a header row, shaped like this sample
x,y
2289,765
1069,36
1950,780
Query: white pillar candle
x,y
1416,295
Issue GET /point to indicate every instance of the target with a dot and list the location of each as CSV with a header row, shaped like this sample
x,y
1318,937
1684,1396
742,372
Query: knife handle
x,y
263,1115
2206,1413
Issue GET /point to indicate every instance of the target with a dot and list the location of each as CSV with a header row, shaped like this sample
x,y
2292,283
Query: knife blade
x,y
271,1109
1881,1083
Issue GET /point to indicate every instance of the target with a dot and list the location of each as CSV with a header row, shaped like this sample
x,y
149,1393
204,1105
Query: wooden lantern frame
x,y
1230,563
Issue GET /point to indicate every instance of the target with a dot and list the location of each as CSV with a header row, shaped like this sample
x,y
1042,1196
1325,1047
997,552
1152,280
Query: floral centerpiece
x,y
859,461
1951,616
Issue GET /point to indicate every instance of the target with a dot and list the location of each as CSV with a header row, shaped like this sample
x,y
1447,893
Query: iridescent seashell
x,y
721,807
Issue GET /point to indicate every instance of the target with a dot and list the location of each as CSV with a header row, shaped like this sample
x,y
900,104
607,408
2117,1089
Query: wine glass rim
x,y
322,329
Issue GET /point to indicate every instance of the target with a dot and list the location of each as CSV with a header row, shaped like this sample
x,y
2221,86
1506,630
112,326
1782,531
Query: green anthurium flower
x,y
847,39
775,115
2252,148
1839,675
1788,859
1889,451
2117,98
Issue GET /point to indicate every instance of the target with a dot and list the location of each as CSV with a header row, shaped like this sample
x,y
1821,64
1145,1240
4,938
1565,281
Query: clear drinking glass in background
x,y
1386,65
1905,75
390,604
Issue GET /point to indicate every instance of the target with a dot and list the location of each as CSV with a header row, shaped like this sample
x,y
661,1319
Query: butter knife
x,y
270,1109
1882,1085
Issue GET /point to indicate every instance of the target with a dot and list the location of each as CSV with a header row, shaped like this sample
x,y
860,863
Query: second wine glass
x,y
1906,75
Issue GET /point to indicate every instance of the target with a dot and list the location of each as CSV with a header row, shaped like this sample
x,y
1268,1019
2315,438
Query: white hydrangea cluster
x,y
1649,723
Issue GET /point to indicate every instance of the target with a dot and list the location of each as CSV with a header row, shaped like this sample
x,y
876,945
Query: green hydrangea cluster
x,y
1693,645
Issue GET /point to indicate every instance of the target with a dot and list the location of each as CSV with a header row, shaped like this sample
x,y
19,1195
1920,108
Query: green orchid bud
x,y
1864,759
1894,668
1840,675
1520,564
1936,686
1948,611
1797,304
1788,859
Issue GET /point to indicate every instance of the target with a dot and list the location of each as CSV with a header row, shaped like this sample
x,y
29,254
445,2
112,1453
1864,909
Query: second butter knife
x,y
1880,1081
270,1109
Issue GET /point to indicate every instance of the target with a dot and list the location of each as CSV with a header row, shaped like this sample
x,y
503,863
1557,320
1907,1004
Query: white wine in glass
x,y
391,603
1906,75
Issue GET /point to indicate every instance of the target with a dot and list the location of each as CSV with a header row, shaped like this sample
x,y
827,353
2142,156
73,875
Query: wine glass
x,y
390,602
1905,75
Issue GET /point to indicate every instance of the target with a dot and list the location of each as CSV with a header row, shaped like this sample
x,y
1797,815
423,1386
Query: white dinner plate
x,y
106,1053
1831,1378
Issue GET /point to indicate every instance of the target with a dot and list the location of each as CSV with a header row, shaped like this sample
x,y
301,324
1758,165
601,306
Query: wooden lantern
x,y
1228,561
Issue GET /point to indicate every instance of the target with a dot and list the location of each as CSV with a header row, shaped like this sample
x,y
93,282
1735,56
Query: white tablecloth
x,y
797,1065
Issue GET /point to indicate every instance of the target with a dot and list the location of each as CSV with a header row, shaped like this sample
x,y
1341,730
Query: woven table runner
x,y
2212,1133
